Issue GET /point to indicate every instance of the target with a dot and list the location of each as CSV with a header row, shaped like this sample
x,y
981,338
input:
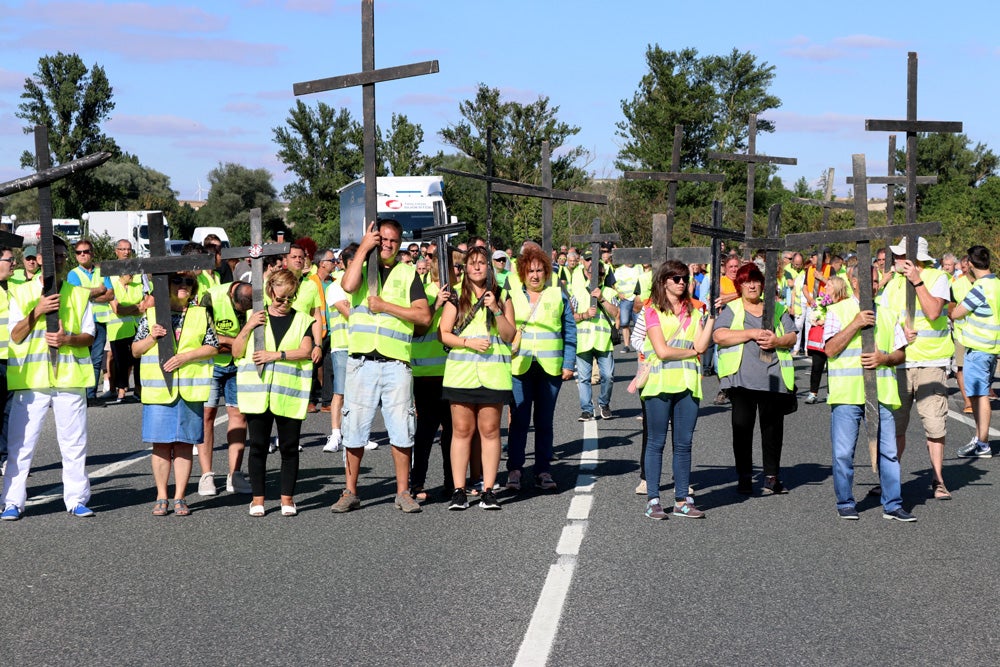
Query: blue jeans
x,y
845,422
584,365
681,411
370,383
539,389
97,356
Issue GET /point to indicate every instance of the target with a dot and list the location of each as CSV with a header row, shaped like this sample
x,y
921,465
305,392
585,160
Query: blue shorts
x,y
338,360
978,372
370,383
625,315
223,391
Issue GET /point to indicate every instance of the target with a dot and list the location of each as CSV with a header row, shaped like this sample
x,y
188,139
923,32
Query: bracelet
x,y
916,285
463,343
498,313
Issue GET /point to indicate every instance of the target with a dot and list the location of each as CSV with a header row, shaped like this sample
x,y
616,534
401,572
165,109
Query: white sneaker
x,y
273,446
332,444
206,485
640,489
238,483
371,445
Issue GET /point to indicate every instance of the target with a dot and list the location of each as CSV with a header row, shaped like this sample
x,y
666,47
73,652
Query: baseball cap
x,y
30,251
500,254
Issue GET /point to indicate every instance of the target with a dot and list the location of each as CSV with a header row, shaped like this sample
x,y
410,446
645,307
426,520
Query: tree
x,y
235,190
949,157
71,102
125,184
401,148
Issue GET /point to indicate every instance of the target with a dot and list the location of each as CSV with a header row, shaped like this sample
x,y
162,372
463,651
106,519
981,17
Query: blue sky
x,y
200,84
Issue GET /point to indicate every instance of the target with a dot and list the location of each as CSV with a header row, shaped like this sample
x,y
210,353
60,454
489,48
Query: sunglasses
x,y
677,280
84,252
282,300
181,280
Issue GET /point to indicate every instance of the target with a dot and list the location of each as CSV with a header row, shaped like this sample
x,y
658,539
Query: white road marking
x,y
541,634
966,419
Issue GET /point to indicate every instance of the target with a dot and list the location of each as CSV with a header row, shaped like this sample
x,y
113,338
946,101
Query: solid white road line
x,y
541,634
966,419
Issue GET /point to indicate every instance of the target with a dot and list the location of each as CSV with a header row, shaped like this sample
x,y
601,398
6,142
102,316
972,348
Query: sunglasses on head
x,y
677,280
182,280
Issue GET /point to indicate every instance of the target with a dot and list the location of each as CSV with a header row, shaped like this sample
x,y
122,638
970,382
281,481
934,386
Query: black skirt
x,y
477,396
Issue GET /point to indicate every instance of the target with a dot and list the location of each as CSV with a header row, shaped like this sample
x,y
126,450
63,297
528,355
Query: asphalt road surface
x,y
573,577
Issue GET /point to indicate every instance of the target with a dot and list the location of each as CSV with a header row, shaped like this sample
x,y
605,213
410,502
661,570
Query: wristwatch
x,y
283,355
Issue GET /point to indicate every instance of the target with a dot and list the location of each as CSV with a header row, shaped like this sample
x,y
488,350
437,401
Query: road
x,y
575,577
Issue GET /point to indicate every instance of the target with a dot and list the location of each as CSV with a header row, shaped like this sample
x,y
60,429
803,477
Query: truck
x,y
407,199
129,225
31,232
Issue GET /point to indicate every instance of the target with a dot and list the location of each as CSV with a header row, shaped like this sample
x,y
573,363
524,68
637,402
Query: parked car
x,y
174,247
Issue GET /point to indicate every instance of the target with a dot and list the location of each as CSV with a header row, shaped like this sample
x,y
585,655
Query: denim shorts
x,y
368,384
338,359
223,387
626,316
178,422
978,372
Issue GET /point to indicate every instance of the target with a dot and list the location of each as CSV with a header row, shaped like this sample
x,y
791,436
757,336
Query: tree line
x,y
712,96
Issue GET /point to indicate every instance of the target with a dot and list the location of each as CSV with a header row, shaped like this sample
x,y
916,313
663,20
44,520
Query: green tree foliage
x,y
518,131
401,148
235,190
71,102
126,185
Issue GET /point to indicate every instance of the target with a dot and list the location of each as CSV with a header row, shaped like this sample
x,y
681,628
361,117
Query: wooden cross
x,y
595,239
672,177
367,78
912,127
160,266
439,233
547,195
716,233
256,251
863,235
661,250
827,204
751,157
489,178
53,174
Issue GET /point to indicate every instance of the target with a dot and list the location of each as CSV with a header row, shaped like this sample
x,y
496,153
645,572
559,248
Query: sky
x,y
196,85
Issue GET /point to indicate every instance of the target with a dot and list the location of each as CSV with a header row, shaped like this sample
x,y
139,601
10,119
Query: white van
x,y
201,232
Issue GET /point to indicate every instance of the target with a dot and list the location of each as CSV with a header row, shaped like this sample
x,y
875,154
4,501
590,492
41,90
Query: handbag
x,y
646,365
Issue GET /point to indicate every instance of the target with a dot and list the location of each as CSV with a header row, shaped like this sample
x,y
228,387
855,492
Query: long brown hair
x,y
667,270
467,295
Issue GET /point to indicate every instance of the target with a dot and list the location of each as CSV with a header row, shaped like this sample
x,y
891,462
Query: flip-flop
x,y
967,409
160,507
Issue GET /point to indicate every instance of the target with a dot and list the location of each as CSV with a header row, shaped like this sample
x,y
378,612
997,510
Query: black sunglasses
x,y
677,280
181,280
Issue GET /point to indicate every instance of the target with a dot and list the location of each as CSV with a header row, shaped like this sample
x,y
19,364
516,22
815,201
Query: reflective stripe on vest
x,y
844,371
4,322
594,333
192,381
282,386
102,311
389,335
677,375
541,338
468,369
983,333
336,324
731,357
933,341
428,353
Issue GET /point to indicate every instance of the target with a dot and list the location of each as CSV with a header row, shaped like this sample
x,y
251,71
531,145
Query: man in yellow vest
x,y
842,337
38,383
960,288
128,305
88,276
380,346
923,377
6,268
30,264
626,282
980,310
593,339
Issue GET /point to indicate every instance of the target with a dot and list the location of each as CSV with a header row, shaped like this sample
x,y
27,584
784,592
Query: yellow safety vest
x,y
29,365
645,285
541,338
846,376
4,323
207,281
959,289
594,333
429,355
933,341
124,326
731,357
336,323
192,381
283,386
983,333
102,311
679,375
389,335
626,278
468,369
224,319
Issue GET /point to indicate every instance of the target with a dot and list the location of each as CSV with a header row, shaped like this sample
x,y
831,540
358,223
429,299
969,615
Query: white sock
x,y
654,501
336,434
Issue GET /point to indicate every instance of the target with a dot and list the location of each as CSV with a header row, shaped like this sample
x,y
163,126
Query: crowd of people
x,y
448,357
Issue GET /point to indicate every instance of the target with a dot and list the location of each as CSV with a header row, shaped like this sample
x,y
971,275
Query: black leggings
x,y
746,404
432,412
258,437
819,363
122,362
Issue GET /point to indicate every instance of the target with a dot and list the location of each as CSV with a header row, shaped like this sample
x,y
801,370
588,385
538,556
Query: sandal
x,y
967,410
181,507
940,492
419,494
160,507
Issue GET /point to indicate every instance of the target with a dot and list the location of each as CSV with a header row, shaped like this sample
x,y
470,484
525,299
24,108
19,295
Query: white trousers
x,y
27,415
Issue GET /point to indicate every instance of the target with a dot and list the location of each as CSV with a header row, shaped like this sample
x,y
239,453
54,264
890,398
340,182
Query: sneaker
x,y
773,486
744,486
11,513
655,511
899,515
459,501
489,501
272,447
811,398
406,503
348,501
81,510
238,483
605,412
849,513
371,445
975,449
688,511
545,482
514,480
206,485
586,416
332,444
721,398
640,488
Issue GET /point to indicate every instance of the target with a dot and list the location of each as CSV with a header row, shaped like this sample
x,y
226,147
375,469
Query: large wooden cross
x,y
367,78
257,251
595,239
827,204
439,233
912,127
489,179
547,195
716,232
661,249
672,177
160,266
863,235
751,157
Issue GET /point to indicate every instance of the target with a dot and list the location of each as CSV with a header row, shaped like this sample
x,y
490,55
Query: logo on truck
x,y
393,204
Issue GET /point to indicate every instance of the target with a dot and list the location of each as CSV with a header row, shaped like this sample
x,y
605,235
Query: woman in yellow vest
x,y
172,412
755,383
676,333
478,326
544,358
277,392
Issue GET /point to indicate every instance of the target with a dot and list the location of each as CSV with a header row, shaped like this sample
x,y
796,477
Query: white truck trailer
x,y
129,225
407,199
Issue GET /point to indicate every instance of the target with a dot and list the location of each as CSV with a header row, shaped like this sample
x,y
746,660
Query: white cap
x,y
922,254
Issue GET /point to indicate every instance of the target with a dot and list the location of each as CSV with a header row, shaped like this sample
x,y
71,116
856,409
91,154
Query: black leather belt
x,y
368,357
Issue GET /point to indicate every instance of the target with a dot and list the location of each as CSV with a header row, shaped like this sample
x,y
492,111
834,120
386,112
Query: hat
x,y
500,254
588,256
29,251
922,254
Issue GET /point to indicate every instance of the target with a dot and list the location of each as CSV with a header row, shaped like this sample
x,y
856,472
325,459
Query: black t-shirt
x,y
280,325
